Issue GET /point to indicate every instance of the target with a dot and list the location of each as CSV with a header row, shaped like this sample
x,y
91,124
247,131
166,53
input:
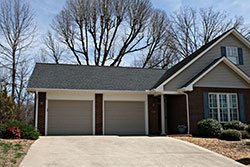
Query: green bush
x,y
245,134
209,128
248,128
27,131
231,135
237,125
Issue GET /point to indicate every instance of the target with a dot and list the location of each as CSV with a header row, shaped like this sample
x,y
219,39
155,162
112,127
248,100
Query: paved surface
x,y
113,151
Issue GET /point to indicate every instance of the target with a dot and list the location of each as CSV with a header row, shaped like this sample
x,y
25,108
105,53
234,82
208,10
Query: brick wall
x,y
176,112
197,109
98,113
41,112
153,116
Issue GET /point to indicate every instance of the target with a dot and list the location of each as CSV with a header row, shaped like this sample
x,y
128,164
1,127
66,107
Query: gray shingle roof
x,y
52,76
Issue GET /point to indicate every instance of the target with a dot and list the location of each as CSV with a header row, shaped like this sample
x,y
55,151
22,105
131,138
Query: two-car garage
x,y
67,117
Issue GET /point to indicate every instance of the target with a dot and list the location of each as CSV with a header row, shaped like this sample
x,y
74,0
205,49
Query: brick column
x,y
41,112
153,115
98,114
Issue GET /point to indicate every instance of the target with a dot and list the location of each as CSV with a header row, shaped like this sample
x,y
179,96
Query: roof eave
x,y
86,90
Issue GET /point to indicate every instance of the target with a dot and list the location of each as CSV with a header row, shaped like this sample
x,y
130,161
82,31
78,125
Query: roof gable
x,y
185,63
209,71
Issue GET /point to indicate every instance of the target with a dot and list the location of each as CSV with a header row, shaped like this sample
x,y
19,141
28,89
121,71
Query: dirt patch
x,y
237,150
13,151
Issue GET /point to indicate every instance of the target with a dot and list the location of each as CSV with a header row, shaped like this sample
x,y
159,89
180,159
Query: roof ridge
x,y
103,66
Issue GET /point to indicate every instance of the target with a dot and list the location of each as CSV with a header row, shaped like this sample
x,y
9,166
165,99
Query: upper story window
x,y
223,106
232,54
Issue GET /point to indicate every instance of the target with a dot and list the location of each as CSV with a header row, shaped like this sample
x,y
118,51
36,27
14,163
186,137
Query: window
x,y
232,54
223,107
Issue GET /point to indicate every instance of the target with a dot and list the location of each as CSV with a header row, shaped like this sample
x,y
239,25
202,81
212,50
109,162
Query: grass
x,y
247,144
12,152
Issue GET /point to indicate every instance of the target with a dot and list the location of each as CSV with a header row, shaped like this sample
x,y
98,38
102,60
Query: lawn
x,y
13,151
237,150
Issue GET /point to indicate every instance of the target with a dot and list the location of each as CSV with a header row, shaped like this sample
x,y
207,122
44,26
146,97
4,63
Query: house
x,y
213,82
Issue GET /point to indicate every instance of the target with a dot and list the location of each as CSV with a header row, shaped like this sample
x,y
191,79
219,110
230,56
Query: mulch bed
x,y
12,151
237,150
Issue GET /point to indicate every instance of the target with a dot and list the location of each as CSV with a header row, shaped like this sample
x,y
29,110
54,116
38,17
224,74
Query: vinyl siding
x,y
124,118
222,77
206,59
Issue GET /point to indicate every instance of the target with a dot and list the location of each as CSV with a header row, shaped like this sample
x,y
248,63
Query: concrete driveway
x,y
114,151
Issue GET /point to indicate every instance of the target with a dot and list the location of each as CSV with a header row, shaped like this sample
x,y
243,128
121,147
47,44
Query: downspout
x,y
187,107
36,119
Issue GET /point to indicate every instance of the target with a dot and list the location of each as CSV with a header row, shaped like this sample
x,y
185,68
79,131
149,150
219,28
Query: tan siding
x,y
69,117
124,118
206,59
222,76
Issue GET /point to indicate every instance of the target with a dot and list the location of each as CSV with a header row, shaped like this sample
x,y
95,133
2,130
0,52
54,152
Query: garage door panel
x,y
69,117
124,118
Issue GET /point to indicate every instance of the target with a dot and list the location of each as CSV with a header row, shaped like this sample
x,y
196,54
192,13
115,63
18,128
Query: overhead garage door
x,y
124,118
69,117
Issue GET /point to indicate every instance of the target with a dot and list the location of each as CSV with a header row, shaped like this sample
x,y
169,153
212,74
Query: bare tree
x,y
157,35
17,30
184,30
23,72
103,32
191,29
52,48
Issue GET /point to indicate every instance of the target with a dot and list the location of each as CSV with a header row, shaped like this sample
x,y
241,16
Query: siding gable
x,y
222,77
206,59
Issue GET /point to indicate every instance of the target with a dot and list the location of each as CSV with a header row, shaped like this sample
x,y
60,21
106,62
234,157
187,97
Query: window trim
x,y
237,54
228,105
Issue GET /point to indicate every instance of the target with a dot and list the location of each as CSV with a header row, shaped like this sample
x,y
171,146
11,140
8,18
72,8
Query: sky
x,y
46,10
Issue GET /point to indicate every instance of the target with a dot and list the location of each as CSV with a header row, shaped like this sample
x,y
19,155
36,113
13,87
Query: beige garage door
x,y
124,118
69,117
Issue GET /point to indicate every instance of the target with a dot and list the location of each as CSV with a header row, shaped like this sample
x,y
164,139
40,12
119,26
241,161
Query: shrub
x,y
13,133
209,128
245,134
248,128
237,125
231,135
27,131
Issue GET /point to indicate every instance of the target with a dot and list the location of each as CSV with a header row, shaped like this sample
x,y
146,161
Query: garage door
x,y
69,117
124,118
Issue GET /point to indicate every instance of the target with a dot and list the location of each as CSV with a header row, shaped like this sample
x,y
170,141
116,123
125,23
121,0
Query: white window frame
x,y
236,56
228,105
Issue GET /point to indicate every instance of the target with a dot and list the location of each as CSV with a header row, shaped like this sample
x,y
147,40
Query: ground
x,y
118,151
13,151
237,150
